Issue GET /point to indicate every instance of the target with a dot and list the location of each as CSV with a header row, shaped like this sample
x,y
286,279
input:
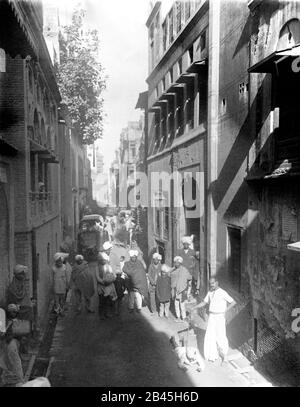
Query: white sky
x,y
124,56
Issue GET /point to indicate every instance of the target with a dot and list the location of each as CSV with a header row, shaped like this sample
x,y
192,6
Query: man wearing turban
x,y
188,256
137,281
153,272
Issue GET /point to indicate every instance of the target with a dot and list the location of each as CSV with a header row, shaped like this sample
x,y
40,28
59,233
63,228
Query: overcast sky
x,y
124,56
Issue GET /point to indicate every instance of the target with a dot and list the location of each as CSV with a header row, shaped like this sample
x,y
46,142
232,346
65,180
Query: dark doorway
x,y
161,250
234,257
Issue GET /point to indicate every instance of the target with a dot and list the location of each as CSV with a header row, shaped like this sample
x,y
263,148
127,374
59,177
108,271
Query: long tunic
x,y
83,279
60,279
153,273
188,259
137,277
179,279
18,293
163,288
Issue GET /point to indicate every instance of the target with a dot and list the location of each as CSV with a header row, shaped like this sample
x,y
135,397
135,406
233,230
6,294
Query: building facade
x,y
177,124
237,65
30,195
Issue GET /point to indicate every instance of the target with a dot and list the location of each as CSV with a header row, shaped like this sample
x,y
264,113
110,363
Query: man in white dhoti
x,y
215,341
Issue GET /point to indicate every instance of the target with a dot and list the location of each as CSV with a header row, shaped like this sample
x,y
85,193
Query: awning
x,y
44,153
197,66
187,78
271,62
294,246
142,102
7,149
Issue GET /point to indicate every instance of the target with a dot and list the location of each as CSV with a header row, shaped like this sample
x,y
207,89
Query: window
x,y
171,75
187,10
179,112
203,41
179,63
191,54
178,8
157,221
171,27
234,257
223,106
151,40
2,60
163,84
165,34
48,253
166,223
190,105
202,90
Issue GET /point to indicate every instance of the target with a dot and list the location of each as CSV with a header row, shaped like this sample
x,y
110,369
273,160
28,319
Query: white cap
x,y
186,239
107,245
179,259
133,253
165,268
79,257
157,256
105,256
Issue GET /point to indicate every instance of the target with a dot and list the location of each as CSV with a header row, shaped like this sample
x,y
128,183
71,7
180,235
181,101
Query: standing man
x,y
83,282
188,257
137,281
153,272
215,341
180,278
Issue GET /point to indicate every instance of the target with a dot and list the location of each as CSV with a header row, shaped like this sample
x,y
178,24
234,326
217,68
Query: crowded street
x,y
149,208
130,350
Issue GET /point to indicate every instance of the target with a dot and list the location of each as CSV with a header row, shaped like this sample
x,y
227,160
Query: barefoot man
x,y
215,341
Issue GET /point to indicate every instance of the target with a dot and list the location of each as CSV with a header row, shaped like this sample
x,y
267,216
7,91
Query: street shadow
x,y
122,351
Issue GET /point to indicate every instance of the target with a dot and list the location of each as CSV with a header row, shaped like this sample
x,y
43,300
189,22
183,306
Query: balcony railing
x,y
43,203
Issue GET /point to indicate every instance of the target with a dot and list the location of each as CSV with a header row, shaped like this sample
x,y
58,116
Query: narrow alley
x,y
130,350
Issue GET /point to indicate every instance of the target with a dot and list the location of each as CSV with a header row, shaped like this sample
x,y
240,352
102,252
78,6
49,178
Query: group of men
x,y
161,285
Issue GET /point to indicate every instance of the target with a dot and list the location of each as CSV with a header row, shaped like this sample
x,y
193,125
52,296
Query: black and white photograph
x,y
149,196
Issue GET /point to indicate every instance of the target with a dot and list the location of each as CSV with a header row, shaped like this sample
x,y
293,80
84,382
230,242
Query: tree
x,y
81,78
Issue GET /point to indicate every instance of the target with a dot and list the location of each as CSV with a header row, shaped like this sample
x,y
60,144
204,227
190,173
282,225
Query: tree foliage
x,y
81,78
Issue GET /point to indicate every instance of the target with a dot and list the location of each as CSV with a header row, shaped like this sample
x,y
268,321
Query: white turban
x,y
79,257
60,255
133,253
57,256
105,256
186,239
165,268
107,245
19,268
179,259
157,256
12,308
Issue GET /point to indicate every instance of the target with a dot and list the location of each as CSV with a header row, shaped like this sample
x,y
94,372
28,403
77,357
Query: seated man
x,y
10,361
187,356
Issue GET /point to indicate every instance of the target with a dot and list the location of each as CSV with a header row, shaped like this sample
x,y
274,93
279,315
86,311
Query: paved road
x,y
126,350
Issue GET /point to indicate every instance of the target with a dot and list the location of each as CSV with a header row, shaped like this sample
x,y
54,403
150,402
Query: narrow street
x,y
126,351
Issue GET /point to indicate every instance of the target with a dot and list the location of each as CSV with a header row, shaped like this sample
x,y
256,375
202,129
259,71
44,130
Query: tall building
x,y
177,123
222,103
30,181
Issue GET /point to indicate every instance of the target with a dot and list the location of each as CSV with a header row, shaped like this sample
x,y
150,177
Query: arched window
x,y
36,125
43,132
2,60
49,138
289,35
